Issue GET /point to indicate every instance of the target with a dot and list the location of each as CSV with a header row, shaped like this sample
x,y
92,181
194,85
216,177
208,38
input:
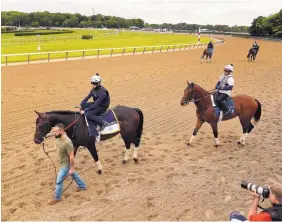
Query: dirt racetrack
x,y
172,182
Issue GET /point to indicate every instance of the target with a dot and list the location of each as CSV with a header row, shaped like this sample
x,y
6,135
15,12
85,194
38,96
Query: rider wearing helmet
x,y
210,46
224,87
101,102
256,46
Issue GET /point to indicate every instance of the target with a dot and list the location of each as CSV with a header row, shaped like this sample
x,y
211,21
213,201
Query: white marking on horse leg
x,y
135,152
244,137
126,157
191,139
99,165
217,141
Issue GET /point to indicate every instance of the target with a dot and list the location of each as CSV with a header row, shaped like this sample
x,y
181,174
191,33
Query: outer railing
x,y
100,52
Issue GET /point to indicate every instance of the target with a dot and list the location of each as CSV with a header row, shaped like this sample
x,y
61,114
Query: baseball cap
x,y
276,189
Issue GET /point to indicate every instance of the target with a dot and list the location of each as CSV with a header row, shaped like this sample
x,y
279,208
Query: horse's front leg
x,y
93,151
198,126
215,134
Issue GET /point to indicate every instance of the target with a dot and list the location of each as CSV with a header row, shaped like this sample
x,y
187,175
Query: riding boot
x,y
104,125
224,108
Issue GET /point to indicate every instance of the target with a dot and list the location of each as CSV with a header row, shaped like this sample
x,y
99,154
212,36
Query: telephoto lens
x,y
264,191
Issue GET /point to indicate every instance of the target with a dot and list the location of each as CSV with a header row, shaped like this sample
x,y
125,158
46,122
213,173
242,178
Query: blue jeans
x,y
63,172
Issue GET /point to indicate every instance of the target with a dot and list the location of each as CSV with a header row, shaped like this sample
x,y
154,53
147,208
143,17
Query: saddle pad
x,y
110,118
230,104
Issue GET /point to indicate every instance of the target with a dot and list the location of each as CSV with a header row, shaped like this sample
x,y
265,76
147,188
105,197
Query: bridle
x,y
190,98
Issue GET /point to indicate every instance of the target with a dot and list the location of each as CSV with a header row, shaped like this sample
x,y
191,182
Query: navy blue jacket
x,y
101,98
210,46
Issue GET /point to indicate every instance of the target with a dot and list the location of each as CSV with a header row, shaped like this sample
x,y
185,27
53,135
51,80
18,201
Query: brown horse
x,y
208,55
246,108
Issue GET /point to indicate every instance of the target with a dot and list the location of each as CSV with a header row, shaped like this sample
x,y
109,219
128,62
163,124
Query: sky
x,y
228,12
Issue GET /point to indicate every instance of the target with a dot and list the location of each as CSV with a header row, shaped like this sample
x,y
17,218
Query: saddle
x,y
229,103
109,117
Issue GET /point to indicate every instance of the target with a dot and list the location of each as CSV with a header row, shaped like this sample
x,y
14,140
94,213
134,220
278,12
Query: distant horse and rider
x,y
253,52
217,105
82,127
208,52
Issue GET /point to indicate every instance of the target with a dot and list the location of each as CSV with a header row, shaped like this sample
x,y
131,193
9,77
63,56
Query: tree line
x,y
261,26
47,19
267,26
193,27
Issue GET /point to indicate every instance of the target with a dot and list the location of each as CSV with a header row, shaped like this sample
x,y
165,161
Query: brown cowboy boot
x,y
77,189
53,201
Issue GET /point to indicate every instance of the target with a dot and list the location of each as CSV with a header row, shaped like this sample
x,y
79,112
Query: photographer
x,y
273,193
270,214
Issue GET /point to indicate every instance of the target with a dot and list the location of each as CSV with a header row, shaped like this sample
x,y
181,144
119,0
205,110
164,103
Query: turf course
x,y
111,40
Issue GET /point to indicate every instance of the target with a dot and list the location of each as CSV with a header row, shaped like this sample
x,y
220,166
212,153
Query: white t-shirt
x,y
226,81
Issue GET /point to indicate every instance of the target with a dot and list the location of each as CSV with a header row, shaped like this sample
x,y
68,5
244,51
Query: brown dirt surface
x,y
172,182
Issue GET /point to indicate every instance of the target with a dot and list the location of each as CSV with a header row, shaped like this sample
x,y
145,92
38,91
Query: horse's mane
x,y
200,87
61,112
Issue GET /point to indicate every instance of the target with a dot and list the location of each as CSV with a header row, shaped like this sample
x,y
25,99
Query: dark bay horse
x,y
208,55
246,107
131,128
252,55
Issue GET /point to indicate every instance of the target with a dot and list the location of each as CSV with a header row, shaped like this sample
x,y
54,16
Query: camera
x,y
263,191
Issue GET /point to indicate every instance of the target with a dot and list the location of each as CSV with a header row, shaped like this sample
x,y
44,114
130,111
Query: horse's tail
x,y
257,113
203,55
250,51
139,130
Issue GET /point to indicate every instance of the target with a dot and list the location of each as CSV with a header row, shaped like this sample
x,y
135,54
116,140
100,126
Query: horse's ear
x,y
188,82
192,84
39,114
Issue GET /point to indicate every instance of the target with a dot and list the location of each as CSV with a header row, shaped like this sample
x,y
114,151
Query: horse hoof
x,y
216,146
136,160
99,172
124,162
188,144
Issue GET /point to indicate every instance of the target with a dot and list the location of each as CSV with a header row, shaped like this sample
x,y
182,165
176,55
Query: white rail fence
x,y
96,53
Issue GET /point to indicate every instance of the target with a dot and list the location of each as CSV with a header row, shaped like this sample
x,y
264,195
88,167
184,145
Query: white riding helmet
x,y
229,67
95,79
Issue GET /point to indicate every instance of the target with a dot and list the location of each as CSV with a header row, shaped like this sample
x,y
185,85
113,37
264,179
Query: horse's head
x,y
188,94
43,127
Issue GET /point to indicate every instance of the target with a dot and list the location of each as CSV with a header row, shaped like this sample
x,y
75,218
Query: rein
x,y
55,169
210,92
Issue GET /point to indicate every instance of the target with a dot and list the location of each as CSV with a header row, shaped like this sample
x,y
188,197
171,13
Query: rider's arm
x,y
97,102
86,99
217,85
229,85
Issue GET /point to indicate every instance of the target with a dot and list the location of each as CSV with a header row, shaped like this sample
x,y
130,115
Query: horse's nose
x,y
37,141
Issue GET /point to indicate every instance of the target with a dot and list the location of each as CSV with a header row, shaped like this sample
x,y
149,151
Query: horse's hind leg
x,y
93,151
127,151
128,139
247,127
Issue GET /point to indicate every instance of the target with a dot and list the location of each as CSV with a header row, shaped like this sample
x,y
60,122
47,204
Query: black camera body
x,y
263,191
